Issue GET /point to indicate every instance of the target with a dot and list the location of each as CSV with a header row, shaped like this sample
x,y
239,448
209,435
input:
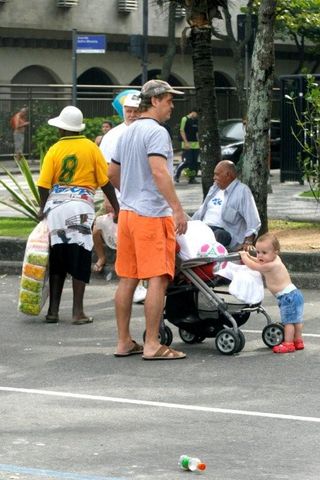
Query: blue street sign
x,y
91,44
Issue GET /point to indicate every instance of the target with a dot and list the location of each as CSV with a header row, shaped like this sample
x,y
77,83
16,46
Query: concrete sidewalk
x,y
284,202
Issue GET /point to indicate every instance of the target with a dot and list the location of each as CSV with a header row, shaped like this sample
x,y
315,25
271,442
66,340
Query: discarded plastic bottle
x,y
191,463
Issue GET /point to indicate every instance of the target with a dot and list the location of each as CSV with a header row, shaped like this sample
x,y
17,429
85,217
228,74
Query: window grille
x,y
180,12
67,3
127,6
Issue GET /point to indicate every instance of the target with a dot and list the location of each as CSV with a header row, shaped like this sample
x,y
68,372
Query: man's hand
x,y
180,222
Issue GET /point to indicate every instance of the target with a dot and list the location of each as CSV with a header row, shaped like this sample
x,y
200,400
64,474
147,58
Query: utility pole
x,y
145,42
74,67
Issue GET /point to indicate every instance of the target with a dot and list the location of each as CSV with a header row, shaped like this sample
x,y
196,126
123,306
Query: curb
x,y
304,267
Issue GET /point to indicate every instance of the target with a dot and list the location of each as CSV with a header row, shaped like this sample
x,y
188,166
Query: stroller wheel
x,y
168,335
165,336
189,337
227,342
242,341
273,334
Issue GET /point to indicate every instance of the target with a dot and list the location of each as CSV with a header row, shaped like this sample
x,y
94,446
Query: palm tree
x,y
200,14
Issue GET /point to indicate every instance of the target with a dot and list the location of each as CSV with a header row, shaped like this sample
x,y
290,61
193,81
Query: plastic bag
x,y
108,229
34,285
198,235
246,285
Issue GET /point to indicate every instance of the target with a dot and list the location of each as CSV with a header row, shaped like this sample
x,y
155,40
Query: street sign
x,y
91,44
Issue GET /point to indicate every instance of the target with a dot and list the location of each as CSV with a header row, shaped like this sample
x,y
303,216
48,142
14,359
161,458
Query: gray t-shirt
x,y
138,191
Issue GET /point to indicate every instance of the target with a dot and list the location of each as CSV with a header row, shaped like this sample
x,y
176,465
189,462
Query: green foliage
x,y
93,125
297,18
16,227
46,135
25,202
309,135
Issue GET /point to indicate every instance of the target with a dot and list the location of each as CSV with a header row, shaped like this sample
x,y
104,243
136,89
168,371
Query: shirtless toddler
x,y
278,281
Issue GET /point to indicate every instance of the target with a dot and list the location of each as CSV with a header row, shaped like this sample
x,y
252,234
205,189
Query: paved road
x,y
70,410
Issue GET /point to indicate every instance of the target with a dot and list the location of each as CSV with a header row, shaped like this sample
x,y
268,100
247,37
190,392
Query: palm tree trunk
x,y
203,72
256,150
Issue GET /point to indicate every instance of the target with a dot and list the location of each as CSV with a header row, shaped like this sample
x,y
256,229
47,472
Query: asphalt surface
x,y
71,410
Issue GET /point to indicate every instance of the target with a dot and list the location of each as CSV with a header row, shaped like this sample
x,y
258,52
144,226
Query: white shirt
x,y
214,210
110,139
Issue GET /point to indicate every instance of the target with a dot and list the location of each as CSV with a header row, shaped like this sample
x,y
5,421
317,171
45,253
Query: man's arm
x,y
114,170
251,215
44,194
183,133
164,183
109,192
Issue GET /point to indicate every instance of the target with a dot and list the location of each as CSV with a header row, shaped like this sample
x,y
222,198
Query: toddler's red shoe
x,y
284,347
299,344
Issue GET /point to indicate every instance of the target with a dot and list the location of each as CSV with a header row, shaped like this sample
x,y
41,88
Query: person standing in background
x,y
19,122
190,146
72,170
108,146
106,127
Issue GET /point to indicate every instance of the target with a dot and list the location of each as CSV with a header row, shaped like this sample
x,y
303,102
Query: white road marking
x,y
177,406
314,335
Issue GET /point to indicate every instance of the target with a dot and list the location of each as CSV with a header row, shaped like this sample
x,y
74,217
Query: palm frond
x,y
25,202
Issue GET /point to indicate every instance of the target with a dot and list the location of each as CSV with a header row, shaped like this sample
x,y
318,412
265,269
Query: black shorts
x,y
72,259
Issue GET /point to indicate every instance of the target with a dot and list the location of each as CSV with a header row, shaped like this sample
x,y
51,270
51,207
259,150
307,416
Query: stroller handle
x,y
197,262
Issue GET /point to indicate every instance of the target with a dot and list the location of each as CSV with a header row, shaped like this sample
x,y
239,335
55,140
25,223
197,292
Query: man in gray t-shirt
x,y
139,193
150,217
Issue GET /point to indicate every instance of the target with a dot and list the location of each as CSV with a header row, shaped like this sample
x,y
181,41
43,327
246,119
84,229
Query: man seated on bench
x,y
229,209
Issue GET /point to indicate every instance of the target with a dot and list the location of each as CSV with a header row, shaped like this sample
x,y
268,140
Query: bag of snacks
x,y
34,285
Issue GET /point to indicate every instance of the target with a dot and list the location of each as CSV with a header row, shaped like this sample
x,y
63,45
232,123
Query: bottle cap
x,y
201,466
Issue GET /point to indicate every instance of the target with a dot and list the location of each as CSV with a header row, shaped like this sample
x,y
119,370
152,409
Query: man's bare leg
x,y
99,249
123,306
78,315
56,283
153,310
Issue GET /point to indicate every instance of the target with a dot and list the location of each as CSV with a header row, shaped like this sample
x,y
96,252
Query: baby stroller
x,y
201,308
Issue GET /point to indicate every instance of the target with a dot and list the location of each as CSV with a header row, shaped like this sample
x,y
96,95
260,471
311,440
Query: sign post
x,y
84,43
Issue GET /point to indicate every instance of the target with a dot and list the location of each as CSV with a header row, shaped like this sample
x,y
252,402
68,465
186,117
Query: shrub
x,y
45,135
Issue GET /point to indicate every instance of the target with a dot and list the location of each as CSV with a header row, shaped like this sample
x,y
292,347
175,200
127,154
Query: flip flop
x,y
83,321
165,353
52,318
135,350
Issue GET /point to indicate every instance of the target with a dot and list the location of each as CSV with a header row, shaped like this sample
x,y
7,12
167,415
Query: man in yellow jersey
x,y
72,170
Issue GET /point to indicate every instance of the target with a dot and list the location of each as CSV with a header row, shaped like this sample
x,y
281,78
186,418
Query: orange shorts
x,y
145,246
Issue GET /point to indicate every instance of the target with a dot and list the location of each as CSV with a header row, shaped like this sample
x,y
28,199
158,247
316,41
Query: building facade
x,y
36,42
38,62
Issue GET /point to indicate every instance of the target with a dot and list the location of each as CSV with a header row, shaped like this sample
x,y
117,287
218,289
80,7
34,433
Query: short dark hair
x,y
146,102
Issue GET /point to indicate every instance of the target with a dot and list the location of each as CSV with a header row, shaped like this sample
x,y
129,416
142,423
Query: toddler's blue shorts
x,y
291,307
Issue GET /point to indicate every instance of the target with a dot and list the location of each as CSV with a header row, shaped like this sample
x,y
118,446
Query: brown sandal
x,y
165,353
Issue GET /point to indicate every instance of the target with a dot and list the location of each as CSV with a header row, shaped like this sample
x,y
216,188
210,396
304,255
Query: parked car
x,y
232,133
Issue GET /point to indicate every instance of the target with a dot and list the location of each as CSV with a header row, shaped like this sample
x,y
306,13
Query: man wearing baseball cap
x,y
150,217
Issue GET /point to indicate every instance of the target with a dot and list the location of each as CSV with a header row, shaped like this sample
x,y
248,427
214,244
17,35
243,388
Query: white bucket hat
x,y
70,119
